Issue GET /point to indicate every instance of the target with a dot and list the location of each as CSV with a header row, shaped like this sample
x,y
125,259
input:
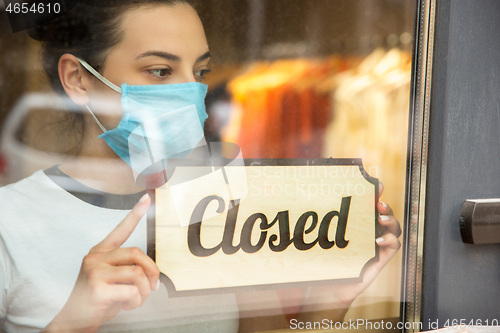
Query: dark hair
x,y
89,30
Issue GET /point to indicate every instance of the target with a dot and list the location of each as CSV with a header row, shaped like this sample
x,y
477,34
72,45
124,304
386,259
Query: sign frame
x,y
151,226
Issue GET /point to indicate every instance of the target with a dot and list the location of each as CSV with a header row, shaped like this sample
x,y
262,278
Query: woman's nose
x,y
186,76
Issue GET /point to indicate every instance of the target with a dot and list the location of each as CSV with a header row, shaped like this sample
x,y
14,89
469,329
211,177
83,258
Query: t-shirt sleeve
x,y
4,278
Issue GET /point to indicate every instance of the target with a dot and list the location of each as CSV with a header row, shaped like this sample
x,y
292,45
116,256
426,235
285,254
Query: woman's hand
x,y
339,297
322,302
111,279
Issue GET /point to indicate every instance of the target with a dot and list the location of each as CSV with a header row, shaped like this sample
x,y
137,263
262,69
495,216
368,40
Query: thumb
x,y
380,188
122,232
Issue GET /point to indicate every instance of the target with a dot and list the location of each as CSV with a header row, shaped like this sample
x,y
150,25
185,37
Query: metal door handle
x,y
480,221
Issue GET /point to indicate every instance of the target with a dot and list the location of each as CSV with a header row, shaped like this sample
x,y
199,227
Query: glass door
x,y
319,111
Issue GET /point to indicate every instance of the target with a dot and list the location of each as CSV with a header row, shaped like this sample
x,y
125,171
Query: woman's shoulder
x,y
36,196
28,185
46,200
38,184
39,210
23,197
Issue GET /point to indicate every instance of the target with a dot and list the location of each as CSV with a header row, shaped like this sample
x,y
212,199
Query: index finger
x,y
122,232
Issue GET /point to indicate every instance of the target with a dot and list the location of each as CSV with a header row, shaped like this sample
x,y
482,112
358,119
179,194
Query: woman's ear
x,y
73,80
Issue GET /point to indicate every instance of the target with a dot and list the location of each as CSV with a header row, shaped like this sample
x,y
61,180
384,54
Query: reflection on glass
x,y
290,79
322,79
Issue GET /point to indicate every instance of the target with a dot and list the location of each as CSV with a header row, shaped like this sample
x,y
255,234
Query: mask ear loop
x,y
99,76
103,80
104,130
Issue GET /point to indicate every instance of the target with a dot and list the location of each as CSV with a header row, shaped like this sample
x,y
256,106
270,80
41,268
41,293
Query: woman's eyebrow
x,y
160,54
170,56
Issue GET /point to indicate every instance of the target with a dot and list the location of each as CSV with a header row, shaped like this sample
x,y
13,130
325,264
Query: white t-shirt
x,y
45,231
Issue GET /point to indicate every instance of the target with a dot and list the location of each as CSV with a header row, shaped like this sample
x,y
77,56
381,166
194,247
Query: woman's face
x,y
160,44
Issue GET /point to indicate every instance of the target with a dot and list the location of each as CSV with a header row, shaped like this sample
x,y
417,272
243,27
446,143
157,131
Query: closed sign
x,y
266,222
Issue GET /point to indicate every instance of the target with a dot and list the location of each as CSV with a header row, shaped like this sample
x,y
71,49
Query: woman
x,y
71,245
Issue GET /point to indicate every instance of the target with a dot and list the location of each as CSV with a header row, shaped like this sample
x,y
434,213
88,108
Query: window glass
x,y
298,95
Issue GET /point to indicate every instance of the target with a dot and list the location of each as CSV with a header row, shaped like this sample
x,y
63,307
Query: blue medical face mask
x,y
159,122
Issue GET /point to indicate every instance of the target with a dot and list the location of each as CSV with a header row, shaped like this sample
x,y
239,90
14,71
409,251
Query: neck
x,y
98,167
103,174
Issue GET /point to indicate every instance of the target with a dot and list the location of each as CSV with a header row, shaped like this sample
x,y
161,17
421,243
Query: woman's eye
x,y
202,73
160,72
